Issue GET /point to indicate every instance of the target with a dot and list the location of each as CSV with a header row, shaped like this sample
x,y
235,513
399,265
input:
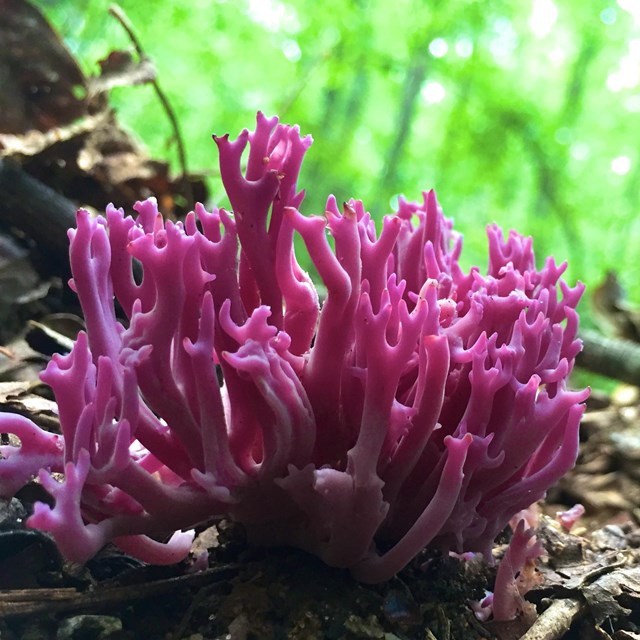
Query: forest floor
x,y
588,580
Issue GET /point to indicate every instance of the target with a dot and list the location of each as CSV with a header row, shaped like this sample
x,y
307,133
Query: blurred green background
x,y
522,112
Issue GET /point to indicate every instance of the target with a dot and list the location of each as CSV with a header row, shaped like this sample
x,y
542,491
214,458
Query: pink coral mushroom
x,y
415,405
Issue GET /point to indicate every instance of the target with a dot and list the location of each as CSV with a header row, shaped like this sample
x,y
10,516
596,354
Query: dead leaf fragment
x,y
604,595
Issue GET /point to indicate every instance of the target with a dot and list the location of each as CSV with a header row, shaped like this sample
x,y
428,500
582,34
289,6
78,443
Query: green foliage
x,y
512,116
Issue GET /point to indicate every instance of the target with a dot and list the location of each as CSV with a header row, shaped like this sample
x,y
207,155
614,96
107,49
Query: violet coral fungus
x,y
415,405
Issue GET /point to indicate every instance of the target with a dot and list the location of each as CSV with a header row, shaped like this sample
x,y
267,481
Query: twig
x,y
556,620
612,357
27,602
117,12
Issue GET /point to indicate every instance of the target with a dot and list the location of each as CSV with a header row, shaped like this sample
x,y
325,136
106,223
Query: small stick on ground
x,y
556,620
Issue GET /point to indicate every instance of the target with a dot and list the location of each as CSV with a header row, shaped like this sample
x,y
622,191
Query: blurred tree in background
x,y
520,112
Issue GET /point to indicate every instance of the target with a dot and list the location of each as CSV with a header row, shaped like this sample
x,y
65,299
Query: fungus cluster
x,y
410,404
